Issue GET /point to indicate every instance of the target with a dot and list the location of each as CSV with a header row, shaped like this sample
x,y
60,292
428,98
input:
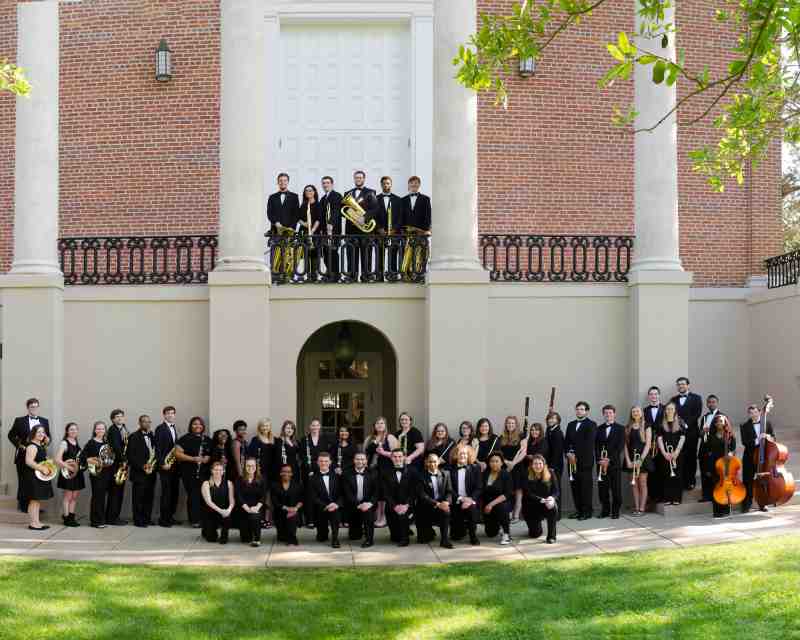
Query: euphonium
x,y
352,210
410,251
282,253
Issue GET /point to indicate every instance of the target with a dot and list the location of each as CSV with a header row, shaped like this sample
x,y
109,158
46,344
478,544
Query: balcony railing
x,y
346,259
551,258
783,271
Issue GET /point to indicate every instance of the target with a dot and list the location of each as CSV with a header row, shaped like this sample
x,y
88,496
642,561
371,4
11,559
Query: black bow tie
x,y
462,466
398,468
359,473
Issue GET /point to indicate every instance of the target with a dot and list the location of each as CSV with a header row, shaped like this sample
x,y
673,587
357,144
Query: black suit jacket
x,y
614,443
648,419
382,214
368,201
748,437
285,213
330,206
321,497
555,449
425,488
691,410
116,440
351,487
402,492
164,443
19,433
420,215
138,455
582,442
473,482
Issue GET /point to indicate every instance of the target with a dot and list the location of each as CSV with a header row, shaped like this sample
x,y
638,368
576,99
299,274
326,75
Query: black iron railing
x,y
346,259
137,259
552,258
783,271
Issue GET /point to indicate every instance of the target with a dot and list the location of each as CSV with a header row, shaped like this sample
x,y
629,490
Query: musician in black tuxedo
x,y
416,206
166,438
434,502
140,473
389,217
467,484
399,488
18,436
361,498
364,256
330,206
690,408
654,417
325,490
751,433
117,439
282,206
611,438
579,444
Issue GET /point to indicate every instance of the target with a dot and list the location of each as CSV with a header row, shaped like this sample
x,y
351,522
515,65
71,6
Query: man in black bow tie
x,y
467,485
690,408
141,450
434,503
18,436
399,485
327,499
361,497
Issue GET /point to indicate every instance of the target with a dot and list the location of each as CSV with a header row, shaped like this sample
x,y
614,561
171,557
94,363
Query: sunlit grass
x,y
740,590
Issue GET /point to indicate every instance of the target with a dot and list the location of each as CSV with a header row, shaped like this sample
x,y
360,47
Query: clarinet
x,y
308,456
200,453
339,456
284,459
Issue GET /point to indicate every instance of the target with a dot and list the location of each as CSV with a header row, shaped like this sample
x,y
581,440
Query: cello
x,y
772,484
729,490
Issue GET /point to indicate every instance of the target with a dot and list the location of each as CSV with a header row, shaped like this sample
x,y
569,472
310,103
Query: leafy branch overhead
x,y
12,79
754,101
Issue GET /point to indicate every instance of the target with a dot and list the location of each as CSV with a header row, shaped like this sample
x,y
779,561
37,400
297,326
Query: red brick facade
x,y
140,157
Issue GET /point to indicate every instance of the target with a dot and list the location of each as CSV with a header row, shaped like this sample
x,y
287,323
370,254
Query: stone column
x,y
457,292
32,293
239,320
659,287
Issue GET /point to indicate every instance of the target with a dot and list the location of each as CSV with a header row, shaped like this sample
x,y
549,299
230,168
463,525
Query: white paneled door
x,y
344,103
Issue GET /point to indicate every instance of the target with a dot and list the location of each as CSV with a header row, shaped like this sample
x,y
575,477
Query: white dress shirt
x,y
435,486
359,487
462,482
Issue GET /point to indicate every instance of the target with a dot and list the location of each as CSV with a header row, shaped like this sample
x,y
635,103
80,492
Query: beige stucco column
x,y
239,321
659,287
32,293
457,290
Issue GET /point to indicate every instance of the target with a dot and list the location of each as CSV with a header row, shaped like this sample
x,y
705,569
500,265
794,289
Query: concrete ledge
x,y
354,291
458,276
760,296
137,293
718,294
500,290
646,277
239,279
31,281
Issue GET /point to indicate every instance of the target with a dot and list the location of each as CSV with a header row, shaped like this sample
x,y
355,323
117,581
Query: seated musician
x,y
539,500
399,486
434,503
287,504
361,499
218,504
326,495
496,499
719,444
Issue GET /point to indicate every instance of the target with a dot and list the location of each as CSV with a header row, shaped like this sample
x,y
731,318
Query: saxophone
x,y
170,459
122,473
151,461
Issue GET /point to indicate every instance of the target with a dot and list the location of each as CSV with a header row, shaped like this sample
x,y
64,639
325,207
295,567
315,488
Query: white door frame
x,y
417,13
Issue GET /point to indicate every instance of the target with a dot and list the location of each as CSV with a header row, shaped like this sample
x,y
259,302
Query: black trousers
x,y
194,500
326,520
398,525
581,486
286,527
429,517
143,495
116,494
655,482
170,487
22,500
463,521
672,487
707,479
361,523
609,490
250,526
534,512
498,518
97,506
689,458
748,475
213,521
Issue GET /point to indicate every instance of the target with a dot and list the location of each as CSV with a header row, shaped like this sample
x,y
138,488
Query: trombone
x,y
670,450
572,465
637,463
603,456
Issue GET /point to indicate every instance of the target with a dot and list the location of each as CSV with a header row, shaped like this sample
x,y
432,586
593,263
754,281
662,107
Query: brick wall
x,y
141,157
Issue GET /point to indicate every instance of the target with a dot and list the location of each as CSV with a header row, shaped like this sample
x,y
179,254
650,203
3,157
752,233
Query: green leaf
x,y
658,72
615,52
736,67
623,42
647,59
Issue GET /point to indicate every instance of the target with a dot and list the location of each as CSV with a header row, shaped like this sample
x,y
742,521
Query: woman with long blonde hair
x,y
510,441
378,447
540,495
638,440
262,448
670,444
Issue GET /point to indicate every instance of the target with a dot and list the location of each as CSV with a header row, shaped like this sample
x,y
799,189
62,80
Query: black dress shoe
x,y
335,544
404,543
574,515
550,541
366,544
118,522
446,544
583,516
175,522
615,516
141,525
474,541
167,525
764,509
603,515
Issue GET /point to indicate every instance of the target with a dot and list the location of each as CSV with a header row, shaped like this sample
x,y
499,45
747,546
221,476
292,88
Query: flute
x,y
308,455
284,459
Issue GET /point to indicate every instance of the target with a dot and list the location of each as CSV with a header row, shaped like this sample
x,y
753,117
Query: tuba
x,y
352,210
282,251
413,255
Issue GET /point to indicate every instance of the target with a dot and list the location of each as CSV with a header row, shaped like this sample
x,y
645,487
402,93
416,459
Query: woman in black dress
x,y
670,443
251,497
639,441
488,442
262,448
68,458
309,214
343,451
222,451
540,493
510,448
287,502
496,499
218,503
193,451
286,450
379,447
441,444
721,443
410,440
534,444
35,490
100,476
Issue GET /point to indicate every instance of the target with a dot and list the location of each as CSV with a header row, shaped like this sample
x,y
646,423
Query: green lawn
x,y
727,591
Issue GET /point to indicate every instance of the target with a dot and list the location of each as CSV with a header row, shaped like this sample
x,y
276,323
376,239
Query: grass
x,y
741,590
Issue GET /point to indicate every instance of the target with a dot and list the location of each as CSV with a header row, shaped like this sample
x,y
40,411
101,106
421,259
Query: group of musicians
x,y
451,482
359,212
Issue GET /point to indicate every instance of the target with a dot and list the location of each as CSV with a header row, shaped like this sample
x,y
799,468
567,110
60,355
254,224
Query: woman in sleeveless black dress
x,y
68,457
639,440
488,442
496,498
33,489
510,442
218,504
672,436
378,448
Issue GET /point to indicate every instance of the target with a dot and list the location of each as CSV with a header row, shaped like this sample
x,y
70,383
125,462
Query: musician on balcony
x,y
366,198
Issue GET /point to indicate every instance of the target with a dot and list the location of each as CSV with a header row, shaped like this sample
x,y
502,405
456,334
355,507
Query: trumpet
x,y
603,456
637,463
572,465
670,450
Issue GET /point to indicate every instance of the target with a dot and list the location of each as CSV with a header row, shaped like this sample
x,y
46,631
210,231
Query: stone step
x,y
690,506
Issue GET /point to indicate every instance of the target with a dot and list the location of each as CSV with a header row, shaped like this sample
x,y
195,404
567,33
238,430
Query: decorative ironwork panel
x,y
783,271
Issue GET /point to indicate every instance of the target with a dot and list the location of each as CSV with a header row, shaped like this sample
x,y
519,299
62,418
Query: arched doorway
x,y
346,375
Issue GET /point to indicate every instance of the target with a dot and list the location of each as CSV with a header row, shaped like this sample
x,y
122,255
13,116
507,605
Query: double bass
x,y
772,485
729,490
